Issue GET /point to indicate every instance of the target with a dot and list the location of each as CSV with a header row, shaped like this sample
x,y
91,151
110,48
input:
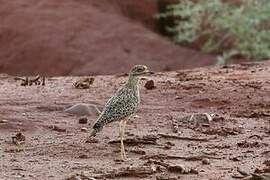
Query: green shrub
x,y
223,28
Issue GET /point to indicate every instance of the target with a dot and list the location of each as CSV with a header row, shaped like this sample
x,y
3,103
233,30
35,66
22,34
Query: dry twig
x,y
138,140
29,82
184,138
186,158
18,139
84,83
140,172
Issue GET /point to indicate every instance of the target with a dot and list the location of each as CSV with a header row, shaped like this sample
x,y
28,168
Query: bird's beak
x,y
148,72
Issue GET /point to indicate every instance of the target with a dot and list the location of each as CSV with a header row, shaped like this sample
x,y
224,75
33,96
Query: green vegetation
x,y
224,28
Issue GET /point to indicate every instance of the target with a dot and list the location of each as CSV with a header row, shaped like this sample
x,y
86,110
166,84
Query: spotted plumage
x,y
124,103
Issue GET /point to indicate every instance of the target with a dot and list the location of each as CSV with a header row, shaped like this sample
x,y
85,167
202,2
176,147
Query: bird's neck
x,y
133,82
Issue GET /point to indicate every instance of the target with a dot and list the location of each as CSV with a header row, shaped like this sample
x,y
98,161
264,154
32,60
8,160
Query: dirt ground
x,y
159,144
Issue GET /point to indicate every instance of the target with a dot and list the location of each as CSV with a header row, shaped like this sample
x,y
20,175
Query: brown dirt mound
x,y
82,37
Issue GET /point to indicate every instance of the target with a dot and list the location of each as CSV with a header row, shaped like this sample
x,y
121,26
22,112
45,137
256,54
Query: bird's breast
x,y
137,95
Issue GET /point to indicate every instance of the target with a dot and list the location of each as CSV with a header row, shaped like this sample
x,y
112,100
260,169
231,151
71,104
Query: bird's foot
x,y
124,159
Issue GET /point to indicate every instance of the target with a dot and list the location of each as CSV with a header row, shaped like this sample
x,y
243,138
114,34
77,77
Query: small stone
x,y
83,120
84,129
177,168
130,134
235,159
170,143
3,121
83,156
154,168
205,161
150,85
267,162
179,97
193,171
167,147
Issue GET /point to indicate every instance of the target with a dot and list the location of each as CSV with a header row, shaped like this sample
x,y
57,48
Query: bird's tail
x,y
98,126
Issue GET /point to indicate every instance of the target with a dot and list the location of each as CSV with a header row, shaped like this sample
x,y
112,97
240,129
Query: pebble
x,y
84,129
83,120
83,156
177,168
3,121
150,85
205,161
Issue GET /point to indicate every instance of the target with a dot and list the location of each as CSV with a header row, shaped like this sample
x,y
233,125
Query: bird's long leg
x,y
123,133
121,138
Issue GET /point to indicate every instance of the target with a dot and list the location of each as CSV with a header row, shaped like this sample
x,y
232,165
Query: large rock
x,y
82,109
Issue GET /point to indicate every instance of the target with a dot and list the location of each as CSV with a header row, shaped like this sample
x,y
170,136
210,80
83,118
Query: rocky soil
x,y
167,139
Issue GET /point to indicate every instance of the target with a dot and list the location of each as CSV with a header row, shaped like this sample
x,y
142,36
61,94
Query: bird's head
x,y
140,70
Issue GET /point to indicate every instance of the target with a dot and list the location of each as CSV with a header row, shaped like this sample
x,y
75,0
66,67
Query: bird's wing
x,y
121,105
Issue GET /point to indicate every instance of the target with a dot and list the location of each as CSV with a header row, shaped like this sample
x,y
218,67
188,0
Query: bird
x,y
121,106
